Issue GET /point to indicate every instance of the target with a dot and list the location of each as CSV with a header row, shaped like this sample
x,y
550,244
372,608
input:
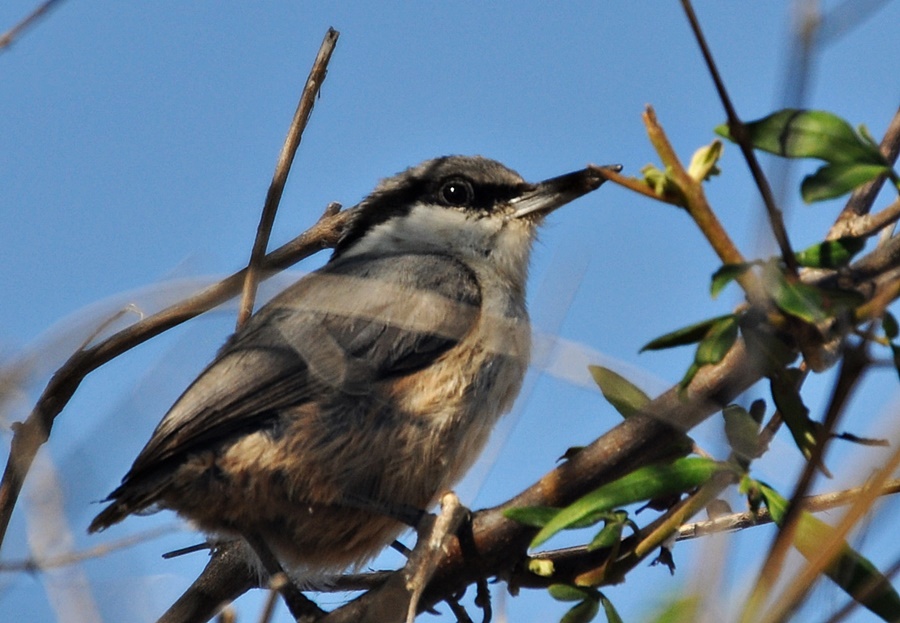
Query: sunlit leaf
x,y
621,393
703,162
686,335
642,484
607,537
817,134
534,516
851,571
834,180
831,253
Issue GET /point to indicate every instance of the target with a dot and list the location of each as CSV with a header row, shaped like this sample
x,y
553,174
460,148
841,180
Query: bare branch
x,y
736,127
862,199
282,168
7,38
813,504
33,565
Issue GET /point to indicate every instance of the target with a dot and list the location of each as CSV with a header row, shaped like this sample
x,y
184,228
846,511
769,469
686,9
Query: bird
x,y
367,388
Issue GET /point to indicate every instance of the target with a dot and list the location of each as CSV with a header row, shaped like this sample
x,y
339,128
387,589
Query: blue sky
x,y
139,140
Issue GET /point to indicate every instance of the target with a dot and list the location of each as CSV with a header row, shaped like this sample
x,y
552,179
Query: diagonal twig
x,y
7,38
282,168
736,128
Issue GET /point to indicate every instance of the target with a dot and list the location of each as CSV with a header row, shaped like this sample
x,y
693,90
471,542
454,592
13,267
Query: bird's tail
x,y
133,496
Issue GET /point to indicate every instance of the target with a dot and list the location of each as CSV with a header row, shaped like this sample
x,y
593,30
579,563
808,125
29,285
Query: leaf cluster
x,y
787,311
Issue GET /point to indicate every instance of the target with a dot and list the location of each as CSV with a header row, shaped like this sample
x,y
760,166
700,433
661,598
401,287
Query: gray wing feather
x,y
339,329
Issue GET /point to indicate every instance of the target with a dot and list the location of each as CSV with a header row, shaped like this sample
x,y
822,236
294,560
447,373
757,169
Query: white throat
x,y
484,242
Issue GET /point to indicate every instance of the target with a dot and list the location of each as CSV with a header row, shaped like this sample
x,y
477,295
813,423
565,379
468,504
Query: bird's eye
x,y
456,192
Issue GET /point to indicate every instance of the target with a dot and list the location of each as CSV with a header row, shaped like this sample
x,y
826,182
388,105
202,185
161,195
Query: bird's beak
x,y
546,196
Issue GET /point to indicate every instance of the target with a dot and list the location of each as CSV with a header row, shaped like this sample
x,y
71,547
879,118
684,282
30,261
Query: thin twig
x,y
636,185
33,565
282,168
862,199
866,225
813,504
7,38
736,127
698,207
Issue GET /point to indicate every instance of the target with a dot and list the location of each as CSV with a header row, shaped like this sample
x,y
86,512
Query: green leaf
x,y
663,184
725,275
611,615
687,335
582,613
895,351
534,516
851,571
796,298
834,180
608,536
567,592
642,484
540,516
742,432
718,341
623,395
692,371
889,326
794,133
831,253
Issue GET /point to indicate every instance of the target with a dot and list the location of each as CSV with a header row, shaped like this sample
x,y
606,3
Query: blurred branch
x,y
854,361
282,168
35,430
35,565
7,38
803,581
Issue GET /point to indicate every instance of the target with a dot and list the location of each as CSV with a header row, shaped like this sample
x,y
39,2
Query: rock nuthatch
x,y
370,385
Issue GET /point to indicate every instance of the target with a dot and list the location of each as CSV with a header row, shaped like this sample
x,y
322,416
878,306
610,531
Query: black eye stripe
x,y
463,192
